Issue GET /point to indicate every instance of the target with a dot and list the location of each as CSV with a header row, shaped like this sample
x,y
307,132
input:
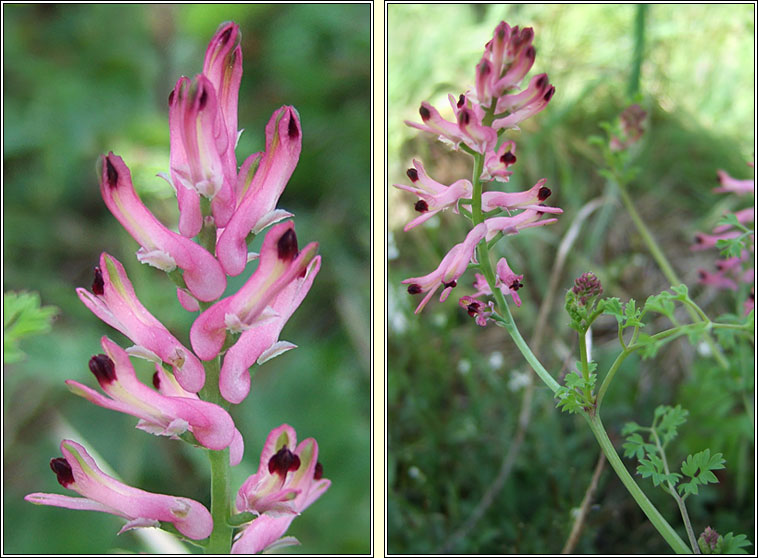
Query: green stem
x,y
639,49
220,541
676,497
664,265
655,517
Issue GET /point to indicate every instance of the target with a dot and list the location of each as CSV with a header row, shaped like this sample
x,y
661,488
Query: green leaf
x,y
634,447
612,306
661,304
671,419
23,317
732,544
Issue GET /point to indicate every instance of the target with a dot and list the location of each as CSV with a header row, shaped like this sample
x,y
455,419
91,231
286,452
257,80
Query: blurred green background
x,y
81,80
454,389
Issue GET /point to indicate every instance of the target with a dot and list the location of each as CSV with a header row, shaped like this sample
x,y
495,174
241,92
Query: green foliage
x,y
699,468
576,396
726,544
23,317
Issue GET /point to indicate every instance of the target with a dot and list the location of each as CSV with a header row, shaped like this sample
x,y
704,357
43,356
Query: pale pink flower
x,y
77,471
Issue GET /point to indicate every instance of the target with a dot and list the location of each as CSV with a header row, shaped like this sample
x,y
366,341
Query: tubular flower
x,y
496,163
261,343
477,309
160,247
113,300
525,219
167,385
159,414
729,184
433,196
289,479
77,471
452,266
505,279
200,146
533,198
260,182
280,264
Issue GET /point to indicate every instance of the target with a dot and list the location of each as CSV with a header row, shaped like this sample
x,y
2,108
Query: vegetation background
x,y
455,390
81,80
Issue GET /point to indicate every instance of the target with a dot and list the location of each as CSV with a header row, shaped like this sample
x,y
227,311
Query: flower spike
x,y
160,247
77,471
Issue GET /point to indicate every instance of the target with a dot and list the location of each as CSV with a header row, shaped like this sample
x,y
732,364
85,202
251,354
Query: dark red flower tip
x,y
531,53
424,112
508,158
156,381
702,274
544,193
111,173
473,308
283,462
171,98
292,130
516,285
98,285
412,174
485,70
203,99
464,117
421,206
286,246
224,38
461,100
318,471
542,82
450,284
549,93
414,289
63,471
103,368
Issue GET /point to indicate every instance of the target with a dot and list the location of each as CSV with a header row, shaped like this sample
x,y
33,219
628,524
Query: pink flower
x,y
452,266
200,154
260,182
433,196
159,414
509,201
729,184
289,479
525,219
261,343
508,57
77,471
280,264
160,247
468,127
477,309
113,300
508,282
496,163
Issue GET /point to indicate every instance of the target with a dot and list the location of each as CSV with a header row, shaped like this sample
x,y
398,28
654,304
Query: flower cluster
x,y
737,267
481,118
221,208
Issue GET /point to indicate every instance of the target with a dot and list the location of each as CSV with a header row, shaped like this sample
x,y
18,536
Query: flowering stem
x,y
221,494
652,513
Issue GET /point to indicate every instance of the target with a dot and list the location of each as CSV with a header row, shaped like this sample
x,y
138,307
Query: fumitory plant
x,y
482,125
197,378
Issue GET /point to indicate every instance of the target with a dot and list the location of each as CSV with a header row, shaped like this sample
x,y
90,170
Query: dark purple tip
x,y
171,98
531,53
292,130
516,285
286,246
318,471
203,99
544,193
63,471
283,462
464,117
224,38
156,381
451,284
421,206
461,100
111,173
542,82
702,274
98,285
549,93
412,174
414,289
103,368
424,112
508,158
